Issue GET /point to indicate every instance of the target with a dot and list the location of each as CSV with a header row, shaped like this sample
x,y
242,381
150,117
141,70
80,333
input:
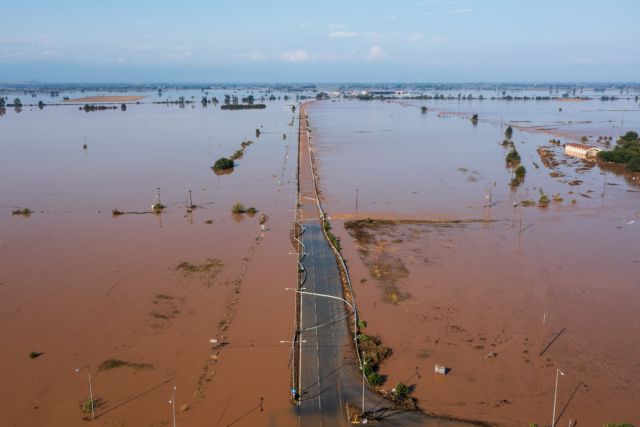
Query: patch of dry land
x,y
105,99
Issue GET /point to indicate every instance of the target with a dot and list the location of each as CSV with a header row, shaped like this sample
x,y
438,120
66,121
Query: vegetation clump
x,y
508,133
401,392
543,201
626,152
242,106
238,208
513,158
23,212
205,267
117,363
519,175
332,238
374,353
424,109
474,119
223,163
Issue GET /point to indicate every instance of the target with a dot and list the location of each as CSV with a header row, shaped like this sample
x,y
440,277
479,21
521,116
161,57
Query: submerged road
x,y
328,367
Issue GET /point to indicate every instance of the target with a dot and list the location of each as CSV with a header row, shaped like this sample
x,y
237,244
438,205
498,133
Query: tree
x,y
519,175
17,102
508,132
2,102
630,136
474,119
123,107
513,158
40,105
227,99
423,109
293,109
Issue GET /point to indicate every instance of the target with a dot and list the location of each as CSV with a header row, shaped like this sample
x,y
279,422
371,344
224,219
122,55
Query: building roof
x,y
580,146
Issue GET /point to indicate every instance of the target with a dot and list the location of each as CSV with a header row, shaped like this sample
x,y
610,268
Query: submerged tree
x,y
474,119
519,175
508,132
513,158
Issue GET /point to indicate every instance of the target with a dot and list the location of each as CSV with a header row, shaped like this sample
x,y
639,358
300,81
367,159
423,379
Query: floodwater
x,y
506,301
82,286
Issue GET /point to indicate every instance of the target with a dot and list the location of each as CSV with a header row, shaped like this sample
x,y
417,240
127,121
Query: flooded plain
x,y
446,269
138,297
452,266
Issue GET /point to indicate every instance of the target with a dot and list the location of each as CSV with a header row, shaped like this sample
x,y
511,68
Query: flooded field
x,y
453,266
139,296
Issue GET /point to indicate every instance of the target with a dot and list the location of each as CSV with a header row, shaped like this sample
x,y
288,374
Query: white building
x,y
582,151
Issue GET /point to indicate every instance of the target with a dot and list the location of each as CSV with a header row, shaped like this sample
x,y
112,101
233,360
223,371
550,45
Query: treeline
x,y
626,152
242,106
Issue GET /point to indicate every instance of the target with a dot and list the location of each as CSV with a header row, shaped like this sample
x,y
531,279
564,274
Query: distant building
x,y
582,151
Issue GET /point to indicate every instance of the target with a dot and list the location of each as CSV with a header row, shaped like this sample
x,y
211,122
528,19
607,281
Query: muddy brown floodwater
x,y
448,271
139,296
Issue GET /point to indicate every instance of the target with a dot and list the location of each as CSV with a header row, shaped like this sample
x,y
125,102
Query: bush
x,y
401,391
238,208
508,132
513,158
520,173
223,163
544,199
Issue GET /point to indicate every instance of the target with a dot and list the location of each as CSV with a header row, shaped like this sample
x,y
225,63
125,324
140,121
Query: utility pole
x,y
356,200
555,396
173,405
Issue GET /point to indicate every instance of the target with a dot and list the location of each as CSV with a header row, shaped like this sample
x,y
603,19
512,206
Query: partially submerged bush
x,y
23,212
223,163
520,173
513,158
508,132
238,208
117,363
543,202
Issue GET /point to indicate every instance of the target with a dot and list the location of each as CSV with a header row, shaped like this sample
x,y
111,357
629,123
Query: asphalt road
x,y
329,374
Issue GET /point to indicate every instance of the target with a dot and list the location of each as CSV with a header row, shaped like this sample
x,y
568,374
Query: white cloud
x,y
299,55
457,11
415,37
376,52
342,34
252,56
438,39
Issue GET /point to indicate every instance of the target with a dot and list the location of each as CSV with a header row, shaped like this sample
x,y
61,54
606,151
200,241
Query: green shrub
x,y
223,163
508,132
627,152
513,158
520,173
401,391
238,208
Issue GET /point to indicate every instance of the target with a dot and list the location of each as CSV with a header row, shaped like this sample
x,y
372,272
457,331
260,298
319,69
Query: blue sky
x,y
320,41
